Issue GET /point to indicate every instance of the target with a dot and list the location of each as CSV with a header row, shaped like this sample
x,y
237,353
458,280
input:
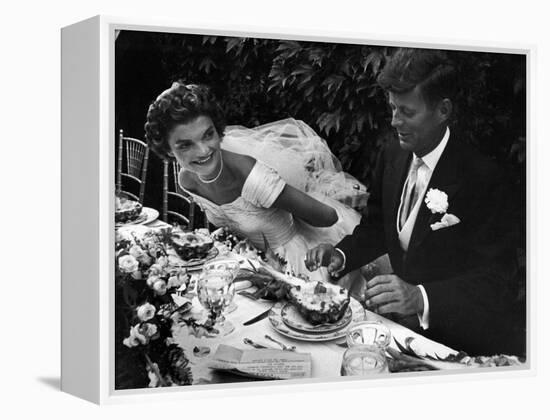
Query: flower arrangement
x,y
147,282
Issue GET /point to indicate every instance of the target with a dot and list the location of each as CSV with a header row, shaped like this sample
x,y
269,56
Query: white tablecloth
x,y
326,356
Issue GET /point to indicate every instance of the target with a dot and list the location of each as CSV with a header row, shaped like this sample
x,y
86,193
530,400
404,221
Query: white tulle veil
x,y
297,153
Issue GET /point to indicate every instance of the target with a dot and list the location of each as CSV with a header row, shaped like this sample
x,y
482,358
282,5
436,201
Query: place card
x,y
262,363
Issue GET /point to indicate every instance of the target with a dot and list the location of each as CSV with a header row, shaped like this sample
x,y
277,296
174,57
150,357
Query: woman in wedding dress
x,y
279,181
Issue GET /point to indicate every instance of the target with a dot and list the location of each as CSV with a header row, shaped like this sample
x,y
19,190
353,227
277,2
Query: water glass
x,y
215,291
227,265
365,355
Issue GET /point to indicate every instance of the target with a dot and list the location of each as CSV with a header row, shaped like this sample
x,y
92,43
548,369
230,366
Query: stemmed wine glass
x,y
215,290
226,264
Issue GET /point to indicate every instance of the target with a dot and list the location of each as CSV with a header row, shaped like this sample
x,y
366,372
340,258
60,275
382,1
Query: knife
x,y
257,318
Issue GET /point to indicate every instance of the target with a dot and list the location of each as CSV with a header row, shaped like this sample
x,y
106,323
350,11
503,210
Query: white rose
x,y
139,254
136,337
146,312
128,264
436,201
155,269
152,279
149,330
135,251
160,287
162,261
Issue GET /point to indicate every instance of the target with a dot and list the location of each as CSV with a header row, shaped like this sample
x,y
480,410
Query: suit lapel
x,y
445,178
398,174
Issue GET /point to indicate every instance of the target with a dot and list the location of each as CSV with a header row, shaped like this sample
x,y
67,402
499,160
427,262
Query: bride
x,y
279,180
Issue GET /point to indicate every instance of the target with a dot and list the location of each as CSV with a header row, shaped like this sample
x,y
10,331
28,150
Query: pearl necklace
x,y
209,181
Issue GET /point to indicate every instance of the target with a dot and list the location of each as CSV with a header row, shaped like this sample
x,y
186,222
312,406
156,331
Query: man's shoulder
x,y
475,164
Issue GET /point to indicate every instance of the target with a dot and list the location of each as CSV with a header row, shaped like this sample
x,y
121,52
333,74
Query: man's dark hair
x,y
431,70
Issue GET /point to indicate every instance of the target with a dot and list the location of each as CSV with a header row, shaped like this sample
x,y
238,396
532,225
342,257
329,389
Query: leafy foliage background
x,y
332,87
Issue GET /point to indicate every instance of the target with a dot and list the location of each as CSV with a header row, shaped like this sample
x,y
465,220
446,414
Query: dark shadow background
x,y
332,87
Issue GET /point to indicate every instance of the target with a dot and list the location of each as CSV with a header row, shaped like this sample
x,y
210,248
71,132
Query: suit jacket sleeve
x,y
367,241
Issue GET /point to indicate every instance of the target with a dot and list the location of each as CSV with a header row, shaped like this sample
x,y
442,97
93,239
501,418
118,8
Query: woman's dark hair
x,y
180,104
431,70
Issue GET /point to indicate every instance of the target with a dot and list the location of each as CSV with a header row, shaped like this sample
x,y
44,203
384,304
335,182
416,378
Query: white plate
x,y
294,319
276,319
147,215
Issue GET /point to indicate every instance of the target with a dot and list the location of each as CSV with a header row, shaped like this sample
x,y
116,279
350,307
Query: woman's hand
x,y
306,208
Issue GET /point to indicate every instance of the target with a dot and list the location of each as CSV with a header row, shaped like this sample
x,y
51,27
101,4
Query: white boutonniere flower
x,y
437,202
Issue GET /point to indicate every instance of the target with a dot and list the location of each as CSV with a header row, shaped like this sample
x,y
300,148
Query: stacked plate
x,y
286,319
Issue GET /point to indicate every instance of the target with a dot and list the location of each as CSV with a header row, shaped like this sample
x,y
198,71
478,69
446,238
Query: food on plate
x,y
126,210
191,245
320,303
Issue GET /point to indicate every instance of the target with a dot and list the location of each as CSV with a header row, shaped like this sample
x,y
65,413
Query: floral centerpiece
x,y
147,284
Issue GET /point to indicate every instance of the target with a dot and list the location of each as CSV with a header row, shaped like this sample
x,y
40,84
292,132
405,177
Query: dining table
x,y
326,354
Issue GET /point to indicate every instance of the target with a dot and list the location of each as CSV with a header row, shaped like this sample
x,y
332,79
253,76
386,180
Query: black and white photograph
x,y
301,209
248,210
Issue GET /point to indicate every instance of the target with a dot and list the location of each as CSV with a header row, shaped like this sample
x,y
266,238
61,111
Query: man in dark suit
x,y
439,209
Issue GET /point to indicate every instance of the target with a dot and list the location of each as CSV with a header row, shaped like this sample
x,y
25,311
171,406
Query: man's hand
x,y
324,255
388,293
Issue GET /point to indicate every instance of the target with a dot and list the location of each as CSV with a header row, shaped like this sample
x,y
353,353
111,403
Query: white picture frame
x,y
88,131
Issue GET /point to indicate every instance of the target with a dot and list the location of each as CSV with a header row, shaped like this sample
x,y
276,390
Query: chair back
x,y
133,156
177,205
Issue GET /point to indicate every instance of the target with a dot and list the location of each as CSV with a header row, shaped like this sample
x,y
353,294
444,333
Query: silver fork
x,y
283,346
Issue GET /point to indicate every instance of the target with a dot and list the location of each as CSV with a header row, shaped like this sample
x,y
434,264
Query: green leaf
x,y
232,43
206,64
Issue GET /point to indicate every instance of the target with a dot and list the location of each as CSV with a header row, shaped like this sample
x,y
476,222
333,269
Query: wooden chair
x,y
177,205
133,155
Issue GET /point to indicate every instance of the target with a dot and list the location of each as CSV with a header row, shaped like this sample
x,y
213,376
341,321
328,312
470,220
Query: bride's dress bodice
x,y
251,214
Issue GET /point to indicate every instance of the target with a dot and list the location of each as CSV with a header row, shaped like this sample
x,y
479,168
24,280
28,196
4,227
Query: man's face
x,y
419,126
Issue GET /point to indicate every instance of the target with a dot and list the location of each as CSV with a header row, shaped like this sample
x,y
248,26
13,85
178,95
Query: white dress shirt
x,y
424,176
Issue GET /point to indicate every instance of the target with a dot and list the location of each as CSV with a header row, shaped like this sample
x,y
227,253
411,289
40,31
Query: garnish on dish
x,y
126,210
317,302
191,245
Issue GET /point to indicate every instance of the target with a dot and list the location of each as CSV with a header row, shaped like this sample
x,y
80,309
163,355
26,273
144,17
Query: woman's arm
x,y
306,208
296,202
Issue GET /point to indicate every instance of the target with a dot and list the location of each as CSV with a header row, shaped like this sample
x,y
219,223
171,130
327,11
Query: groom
x,y
439,209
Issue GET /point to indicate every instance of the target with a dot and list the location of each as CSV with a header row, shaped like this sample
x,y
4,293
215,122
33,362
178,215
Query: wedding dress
x,y
286,152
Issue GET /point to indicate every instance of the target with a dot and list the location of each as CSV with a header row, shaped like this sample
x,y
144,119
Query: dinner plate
x,y
147,215
276,319
292,317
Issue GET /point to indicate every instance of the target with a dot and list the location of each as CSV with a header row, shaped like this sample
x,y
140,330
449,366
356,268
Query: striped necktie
x,y
412,190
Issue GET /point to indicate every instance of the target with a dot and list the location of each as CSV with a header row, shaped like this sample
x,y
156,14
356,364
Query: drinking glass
x,y
215,291
367,342
364,360
224,264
